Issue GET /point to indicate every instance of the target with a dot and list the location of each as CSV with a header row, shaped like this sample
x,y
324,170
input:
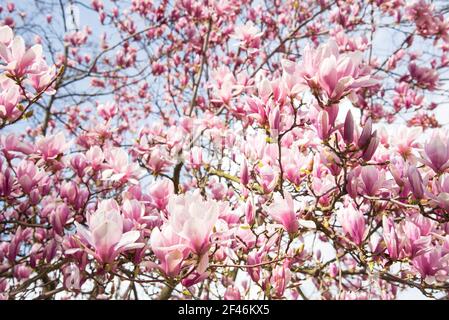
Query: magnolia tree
x,y
205,149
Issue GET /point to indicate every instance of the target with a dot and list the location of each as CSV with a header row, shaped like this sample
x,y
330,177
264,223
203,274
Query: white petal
x,y
84,233
307,224
6,34
128,238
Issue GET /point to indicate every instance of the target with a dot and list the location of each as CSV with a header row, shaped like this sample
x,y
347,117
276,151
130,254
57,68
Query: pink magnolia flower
x,y
414,243
159,160
16,242
336,74
7,181
368,141
433,265
406,97
440,195
369,151
322,187
406,140
348,131
267,177
59,217
9,98
157,68
424,77
97,5
405,239
415,182
13,52
232,293
160,193
331,161
194,277
79,164
323,126
250,214
69,191
76,38
274,121
41,78
291,71
95,157
248,35
421,13
391,238
107,110
280,279
255,109
134,215
436,152
372,180
366,134
12,143
169,248
193,219
218,191
50,147
282,211
104,233
244,172
22,272
353,223
295,165
255,258
72,277
28,176
118,167
224,90
196,157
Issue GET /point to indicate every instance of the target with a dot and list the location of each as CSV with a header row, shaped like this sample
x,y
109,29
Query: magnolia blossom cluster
x,y
22,68
254,160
